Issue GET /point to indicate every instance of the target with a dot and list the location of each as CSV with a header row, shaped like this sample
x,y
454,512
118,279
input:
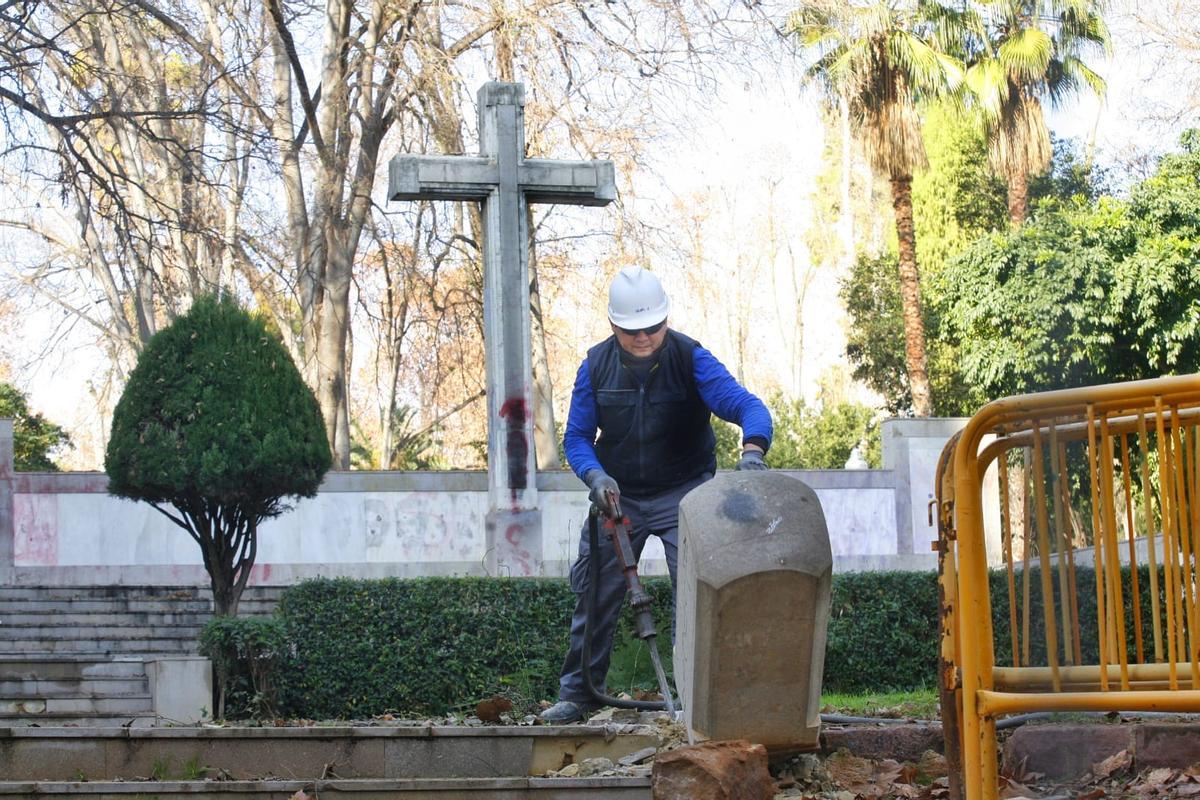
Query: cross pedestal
x,y
505,181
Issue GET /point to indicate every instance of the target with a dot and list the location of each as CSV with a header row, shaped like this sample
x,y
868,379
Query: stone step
x,y
78,687
304,753
100,646
426,789
129,592
15,619
129,605
33,707
70,720
68,667
54,632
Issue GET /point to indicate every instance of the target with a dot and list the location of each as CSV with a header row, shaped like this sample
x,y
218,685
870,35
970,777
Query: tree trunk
x,y
846,217
910,298
1018,197
545,440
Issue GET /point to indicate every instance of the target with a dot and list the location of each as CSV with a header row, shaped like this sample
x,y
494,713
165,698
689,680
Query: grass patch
x,y
918,704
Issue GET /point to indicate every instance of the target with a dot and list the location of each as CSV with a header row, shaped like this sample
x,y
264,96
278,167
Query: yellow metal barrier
x,y
1106,475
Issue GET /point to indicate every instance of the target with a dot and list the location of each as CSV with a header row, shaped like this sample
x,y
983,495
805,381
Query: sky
x,y
733,138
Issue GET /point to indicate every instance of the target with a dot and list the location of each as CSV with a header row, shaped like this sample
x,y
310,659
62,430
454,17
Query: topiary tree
x,y
216,422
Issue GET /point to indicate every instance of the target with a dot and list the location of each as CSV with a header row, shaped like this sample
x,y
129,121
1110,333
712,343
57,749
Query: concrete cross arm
x,y
412,177
580,183
419,177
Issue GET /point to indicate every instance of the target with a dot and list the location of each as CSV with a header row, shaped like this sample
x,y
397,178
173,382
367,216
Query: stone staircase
x,y
76,655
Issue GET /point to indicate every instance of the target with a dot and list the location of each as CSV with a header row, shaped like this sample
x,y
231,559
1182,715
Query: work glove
x,y
605,493
751,459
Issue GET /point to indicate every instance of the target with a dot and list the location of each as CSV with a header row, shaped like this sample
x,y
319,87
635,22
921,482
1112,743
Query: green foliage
x,y
1086,292
34,437
957,199
875,341
806,437
215,408
245,653
990,333
811,438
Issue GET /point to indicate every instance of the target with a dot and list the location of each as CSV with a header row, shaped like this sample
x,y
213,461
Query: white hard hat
x,y
636,299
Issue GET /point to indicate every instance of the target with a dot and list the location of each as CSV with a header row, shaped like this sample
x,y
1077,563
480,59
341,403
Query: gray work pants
x,y
658,515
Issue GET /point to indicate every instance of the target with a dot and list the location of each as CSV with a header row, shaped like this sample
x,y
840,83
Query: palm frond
x,y
1079,73
1026,53
988,83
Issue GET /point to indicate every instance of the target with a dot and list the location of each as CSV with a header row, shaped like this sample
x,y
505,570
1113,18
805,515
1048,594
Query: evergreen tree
x,y
217,423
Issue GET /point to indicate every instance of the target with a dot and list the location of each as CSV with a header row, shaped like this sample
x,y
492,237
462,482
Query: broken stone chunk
x,y
728,770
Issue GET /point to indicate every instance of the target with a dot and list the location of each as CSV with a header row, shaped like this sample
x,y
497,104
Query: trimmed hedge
x,y
359,648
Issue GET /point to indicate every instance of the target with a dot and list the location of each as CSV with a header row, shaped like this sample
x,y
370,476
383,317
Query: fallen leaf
x,y
848,770
1118,762
490,710
1094,794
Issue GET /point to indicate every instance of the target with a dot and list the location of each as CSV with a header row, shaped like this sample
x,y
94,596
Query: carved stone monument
x,y
755,572
504,180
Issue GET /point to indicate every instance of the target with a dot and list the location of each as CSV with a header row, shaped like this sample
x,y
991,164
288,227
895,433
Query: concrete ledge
x,y
1068,751
497,789
390,753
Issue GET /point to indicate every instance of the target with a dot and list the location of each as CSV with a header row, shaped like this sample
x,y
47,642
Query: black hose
x,y
593,585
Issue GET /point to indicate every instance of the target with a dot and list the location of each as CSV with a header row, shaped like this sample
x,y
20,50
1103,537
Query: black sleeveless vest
x,y
657,435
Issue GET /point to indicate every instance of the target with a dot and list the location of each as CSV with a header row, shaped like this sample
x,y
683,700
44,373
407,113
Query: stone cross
x,y
505,181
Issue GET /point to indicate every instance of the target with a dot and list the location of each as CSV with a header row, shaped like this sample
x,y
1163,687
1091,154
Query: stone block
x,y
899,742
755,571
23,760
732,770
1175,745
181,688
445,757
1063,752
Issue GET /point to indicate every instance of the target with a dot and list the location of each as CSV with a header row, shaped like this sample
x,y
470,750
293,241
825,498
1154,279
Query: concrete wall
x,y
63,528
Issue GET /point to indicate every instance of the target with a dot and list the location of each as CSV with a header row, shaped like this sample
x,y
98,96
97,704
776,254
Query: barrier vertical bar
x,y
1076,644
1116,595
1006,534
1060,538
1166,504
1098,551
1182,485
1133,562
1152,557
1043,530
1026,604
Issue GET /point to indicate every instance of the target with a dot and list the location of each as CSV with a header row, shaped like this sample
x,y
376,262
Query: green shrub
x,y
359,648
216,422
883,629
245,653
420,646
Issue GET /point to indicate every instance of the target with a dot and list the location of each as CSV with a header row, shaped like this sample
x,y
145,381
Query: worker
x,y
650,391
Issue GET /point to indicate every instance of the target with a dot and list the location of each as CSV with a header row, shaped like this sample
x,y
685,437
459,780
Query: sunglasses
x,y
653,329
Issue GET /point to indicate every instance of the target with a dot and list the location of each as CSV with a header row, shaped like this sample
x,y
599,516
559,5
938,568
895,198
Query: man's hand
x,y
751,459
605,493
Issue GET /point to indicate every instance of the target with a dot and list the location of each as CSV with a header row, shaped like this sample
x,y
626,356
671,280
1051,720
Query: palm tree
x,y
881,58
1027,51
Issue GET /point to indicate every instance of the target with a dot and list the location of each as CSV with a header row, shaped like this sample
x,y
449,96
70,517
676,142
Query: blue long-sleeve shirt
x,y
723,395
